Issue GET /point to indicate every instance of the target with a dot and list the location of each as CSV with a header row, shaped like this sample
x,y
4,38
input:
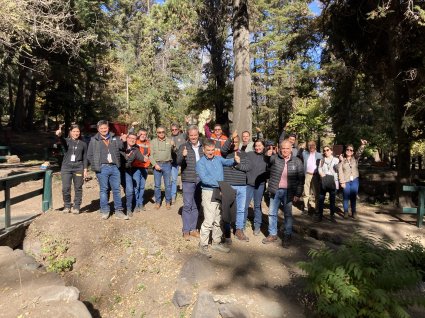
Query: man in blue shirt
x,y
210,171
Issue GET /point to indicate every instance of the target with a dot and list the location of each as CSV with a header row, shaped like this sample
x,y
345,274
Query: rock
x,y
196,269
13,159
183,294
224,299
5,250
205,307
233,311
27,263
58,293
271,309
75,309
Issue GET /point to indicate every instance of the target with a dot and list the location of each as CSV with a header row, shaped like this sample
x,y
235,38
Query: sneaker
x,y
204,250
105,216
121,215
354,216
130,214
157,206
345,214
270,239
194,233
186,236
66,210
140,208
240,235
220,248
228,240
75,211
286,240
257,232
168,206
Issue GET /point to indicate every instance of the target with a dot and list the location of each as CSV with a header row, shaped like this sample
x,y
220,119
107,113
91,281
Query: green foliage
x,y
53,251
366,278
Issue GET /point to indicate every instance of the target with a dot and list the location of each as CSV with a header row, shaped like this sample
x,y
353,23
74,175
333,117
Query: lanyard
x,y
75,148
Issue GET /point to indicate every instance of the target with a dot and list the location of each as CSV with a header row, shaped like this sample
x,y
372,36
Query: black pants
x,y
72,173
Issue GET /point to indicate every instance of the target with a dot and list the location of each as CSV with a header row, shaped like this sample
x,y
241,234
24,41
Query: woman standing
x,y
328,171
256,179
74,167
348,173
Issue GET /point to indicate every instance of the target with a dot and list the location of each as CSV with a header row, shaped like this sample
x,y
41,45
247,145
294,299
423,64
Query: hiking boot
x,y
194,233
157,206
204,250
257,232
168,206
345,214
220,248
354,216
228,240
121,215
105,216
66,210
186,236
240,235
269,239
286,240
75,211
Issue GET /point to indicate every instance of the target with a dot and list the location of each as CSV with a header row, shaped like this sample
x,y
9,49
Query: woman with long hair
x,y
74,168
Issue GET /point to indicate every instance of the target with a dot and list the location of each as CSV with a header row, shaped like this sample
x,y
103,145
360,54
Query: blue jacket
x,y
210,171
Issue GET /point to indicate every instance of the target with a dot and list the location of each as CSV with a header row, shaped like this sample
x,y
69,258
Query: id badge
x,y
72,158
109,158
351,178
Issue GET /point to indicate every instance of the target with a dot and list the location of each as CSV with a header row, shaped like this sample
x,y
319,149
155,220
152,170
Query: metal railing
x,y
45,191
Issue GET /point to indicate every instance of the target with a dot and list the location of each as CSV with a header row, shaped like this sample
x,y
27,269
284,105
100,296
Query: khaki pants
x,y
311,190
212,219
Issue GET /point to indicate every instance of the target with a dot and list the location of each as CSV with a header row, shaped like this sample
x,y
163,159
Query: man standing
x,y
292,138
247,145
285,186
210,172
141,173
104,157
179,139
311,159
187,157
218,137
161,148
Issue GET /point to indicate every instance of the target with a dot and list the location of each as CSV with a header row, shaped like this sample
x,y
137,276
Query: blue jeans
x,y
350,194
165,173
240,206
322,196
191,202
174,177
109,175
129,189
281,196
256,193
139,176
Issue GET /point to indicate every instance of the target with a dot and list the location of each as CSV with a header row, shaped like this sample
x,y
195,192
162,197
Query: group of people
x,y
222,174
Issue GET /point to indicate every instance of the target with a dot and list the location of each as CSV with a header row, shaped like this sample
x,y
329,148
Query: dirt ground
x,y
133,268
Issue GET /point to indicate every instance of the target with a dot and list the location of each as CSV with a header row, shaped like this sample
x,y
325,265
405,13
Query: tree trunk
x,y
31,104
19,113
10,91
242,103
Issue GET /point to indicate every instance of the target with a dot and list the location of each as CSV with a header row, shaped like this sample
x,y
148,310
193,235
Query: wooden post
x,y
47,191
7,219
421,207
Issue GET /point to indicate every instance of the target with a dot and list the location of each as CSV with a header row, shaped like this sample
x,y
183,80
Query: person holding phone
x,y
348,173
74,167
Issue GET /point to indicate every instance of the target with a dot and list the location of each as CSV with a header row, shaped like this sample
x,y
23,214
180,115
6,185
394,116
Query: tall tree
x,y
242,103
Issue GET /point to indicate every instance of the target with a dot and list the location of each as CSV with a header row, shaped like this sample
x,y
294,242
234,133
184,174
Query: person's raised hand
x,y
237,158
184,151
58,132
363,141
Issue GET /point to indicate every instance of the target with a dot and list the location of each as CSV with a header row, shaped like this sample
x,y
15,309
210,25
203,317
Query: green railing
x,y
9,182
419,211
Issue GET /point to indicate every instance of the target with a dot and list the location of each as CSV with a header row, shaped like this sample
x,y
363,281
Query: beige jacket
x,y
348,168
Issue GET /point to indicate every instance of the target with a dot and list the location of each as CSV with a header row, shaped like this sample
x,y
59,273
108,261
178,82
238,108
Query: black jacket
x,y
93,152
295,175
257,168
188,163
235,175
129,155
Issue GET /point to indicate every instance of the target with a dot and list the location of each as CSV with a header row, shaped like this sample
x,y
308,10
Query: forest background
x,y
332,70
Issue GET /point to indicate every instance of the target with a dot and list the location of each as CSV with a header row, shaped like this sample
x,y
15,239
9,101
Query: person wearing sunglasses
x,y
328,171
161,148
217,136
179,138
348,174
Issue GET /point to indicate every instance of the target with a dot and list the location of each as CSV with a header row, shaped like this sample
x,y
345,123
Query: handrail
x,y
9,182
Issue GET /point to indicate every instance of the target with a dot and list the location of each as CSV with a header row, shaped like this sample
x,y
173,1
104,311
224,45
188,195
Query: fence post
x,y
47,191
7,219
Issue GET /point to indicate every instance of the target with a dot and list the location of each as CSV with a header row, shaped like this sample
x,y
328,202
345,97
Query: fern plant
x,y
365,278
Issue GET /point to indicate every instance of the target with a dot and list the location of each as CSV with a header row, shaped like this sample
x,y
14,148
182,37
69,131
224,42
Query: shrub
x,y
365,278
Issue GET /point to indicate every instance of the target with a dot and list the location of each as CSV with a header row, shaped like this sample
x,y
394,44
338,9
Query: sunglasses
x,y
174,129
326,150
349,149
160,132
